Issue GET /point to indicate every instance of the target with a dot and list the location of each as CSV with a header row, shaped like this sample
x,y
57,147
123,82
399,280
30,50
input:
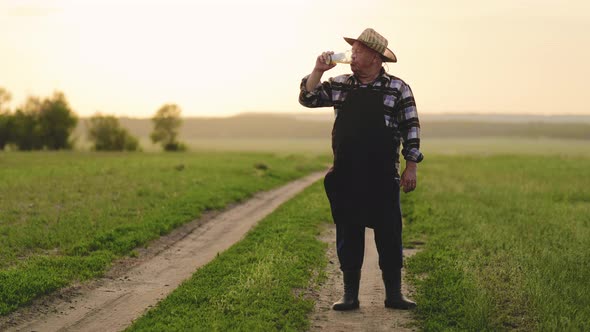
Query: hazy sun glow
x,y
224,57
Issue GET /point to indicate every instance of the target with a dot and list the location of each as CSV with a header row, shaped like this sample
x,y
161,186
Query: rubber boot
x,y
393,291
350,299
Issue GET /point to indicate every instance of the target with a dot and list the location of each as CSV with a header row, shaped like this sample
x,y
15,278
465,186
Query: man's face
x,y
362,57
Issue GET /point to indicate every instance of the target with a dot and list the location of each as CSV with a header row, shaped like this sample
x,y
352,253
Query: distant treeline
x,y
289,126
49,124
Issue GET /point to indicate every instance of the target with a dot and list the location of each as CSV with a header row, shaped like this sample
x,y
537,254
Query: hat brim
x,y
387,56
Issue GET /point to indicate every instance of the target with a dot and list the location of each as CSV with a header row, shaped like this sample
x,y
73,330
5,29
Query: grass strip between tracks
x,y
259,284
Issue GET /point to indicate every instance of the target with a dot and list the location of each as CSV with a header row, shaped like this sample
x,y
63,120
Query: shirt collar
x,y
383,78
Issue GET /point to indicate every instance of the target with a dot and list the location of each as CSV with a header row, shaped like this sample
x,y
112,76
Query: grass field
x,y
260,283
507,243
505,247
65,216
504,226
446,146
311,132
318,124
282,146
489,146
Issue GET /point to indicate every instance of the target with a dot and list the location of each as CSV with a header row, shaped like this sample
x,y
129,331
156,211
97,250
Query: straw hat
x,y
375,41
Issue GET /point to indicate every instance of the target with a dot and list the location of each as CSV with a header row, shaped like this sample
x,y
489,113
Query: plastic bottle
x,y
343,57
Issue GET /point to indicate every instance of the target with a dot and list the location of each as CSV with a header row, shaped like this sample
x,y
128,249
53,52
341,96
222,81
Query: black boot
x,y
350,300
393,291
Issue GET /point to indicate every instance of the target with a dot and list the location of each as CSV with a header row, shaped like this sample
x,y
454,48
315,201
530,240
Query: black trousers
x,y
350,242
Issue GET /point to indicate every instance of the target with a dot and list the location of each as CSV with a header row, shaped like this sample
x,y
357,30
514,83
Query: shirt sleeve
x,y
409,125
320,96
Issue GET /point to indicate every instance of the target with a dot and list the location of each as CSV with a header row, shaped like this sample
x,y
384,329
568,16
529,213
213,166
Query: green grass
x,y
506,247
259,283
481,146
489,146
66,216
507,243
506,237
310,146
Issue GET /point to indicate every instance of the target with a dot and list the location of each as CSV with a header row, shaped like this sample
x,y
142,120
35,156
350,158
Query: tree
x,y
57,121
167,121
6,119
5,98
27,134
6,129
108,135
45,123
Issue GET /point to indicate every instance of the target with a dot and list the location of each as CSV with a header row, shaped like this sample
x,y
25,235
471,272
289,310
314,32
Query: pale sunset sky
x,y
218,58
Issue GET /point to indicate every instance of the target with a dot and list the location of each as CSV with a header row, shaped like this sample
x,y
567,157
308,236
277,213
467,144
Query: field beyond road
x,y
505,243
65,216
311,132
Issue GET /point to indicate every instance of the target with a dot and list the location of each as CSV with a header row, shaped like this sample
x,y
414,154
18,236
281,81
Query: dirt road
x,y
134,285
372,315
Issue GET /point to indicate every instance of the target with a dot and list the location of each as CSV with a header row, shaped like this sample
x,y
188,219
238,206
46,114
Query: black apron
x,y
362,186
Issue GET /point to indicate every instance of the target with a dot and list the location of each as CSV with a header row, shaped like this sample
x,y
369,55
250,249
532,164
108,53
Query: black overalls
x,y
362,187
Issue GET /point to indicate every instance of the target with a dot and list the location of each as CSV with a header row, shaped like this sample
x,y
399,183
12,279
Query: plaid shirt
x,y
399,107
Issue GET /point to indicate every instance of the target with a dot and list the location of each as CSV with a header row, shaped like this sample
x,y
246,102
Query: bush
x,y
175,146
5,119
131,143
6,129
26,134
56,122
43,124
167,121
108,135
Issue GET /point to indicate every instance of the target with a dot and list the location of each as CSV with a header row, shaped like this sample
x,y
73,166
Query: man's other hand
x,y
408,179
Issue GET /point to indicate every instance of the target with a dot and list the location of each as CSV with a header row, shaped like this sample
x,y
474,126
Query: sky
x,y
220,58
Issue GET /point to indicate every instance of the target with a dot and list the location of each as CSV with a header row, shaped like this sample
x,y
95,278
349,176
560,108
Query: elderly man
x,y
375,112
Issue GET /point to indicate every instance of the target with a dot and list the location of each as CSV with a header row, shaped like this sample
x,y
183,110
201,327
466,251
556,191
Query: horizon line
x,y
295,113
